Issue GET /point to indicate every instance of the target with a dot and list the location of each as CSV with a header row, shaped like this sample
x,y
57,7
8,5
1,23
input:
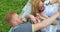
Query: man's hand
x,y
33,19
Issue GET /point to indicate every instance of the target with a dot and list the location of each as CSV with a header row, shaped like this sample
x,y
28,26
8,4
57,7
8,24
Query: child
x,y
51,8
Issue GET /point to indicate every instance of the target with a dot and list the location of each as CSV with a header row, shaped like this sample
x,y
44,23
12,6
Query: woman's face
x,y
41,5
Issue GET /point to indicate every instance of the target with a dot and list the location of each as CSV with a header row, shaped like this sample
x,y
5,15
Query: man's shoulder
x,y
11,29
21,28
26,27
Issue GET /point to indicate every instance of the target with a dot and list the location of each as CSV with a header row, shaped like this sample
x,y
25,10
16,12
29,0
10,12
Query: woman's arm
x,y
45,22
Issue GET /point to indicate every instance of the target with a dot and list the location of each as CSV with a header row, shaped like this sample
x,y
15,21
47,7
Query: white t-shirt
x,y
49,9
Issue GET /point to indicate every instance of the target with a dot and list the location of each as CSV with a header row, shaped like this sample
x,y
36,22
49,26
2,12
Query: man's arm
x,y
45,22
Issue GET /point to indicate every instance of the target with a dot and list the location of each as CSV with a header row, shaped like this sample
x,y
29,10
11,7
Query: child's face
x,y
16,19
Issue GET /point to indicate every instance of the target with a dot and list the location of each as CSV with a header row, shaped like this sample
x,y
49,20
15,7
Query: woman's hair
x,y
35,4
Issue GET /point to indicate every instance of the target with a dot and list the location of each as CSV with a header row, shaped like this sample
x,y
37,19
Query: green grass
x,y
7,6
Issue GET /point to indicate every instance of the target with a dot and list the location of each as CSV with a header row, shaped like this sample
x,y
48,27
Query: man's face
x,y
41,5
16,19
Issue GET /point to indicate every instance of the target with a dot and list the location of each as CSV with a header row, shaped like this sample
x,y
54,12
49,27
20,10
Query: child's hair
x,y
35,4
9,16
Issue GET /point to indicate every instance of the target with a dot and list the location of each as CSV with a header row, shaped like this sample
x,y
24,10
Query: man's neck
x,y
13,25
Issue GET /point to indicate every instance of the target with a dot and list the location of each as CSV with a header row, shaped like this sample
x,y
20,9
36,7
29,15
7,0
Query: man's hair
x,y
9,16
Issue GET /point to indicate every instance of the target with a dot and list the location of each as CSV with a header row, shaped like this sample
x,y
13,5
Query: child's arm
x,y
44,16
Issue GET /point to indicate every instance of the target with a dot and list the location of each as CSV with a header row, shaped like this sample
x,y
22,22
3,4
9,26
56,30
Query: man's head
x,y
13,18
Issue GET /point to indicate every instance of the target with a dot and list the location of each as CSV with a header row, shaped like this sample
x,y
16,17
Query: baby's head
x,y
13,18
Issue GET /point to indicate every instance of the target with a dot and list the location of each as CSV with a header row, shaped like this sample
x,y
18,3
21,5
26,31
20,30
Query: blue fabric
x,y
49,10
27,27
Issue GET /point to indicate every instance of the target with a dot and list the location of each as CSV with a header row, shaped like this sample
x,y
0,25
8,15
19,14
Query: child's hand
x,y
43,16
53,1
57,14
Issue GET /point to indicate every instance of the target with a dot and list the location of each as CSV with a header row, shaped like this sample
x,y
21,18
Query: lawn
x,y
7,6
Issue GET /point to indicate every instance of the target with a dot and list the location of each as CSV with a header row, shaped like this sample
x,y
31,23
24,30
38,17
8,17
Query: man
x,y
18,26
